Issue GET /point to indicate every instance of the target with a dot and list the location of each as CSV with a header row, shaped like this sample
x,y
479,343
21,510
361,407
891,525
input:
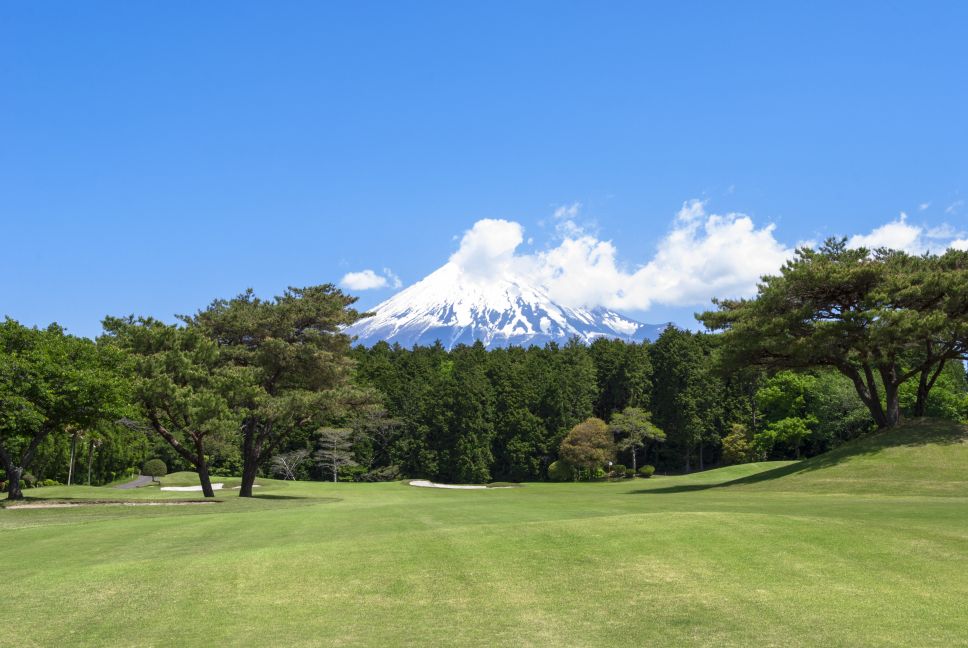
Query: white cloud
x,y
369,280
567,211
566,225
393,281
954,207
488,247
897,235
701,256
923,206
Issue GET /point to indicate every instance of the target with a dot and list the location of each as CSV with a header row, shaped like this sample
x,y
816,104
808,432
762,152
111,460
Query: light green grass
x,y
865,547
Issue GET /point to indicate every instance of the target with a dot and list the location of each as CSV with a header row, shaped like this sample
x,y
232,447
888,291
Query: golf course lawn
x,y
864,546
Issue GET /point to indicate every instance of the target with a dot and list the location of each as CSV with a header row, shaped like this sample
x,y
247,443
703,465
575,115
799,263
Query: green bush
x,y
646,471
629,473
48,482
560,471
618,470
155,468
599,473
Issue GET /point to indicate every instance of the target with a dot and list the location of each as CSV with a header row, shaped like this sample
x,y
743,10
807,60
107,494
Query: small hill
x,y
919,457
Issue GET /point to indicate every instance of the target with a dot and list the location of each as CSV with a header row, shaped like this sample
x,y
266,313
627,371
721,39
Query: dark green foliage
x,y
880,318
635,430
154,468
687,397
646,471
560,471
184,390
623,372
295,362
51,384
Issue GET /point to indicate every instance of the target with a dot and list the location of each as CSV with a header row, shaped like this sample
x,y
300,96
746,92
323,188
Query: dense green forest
x,y
839,343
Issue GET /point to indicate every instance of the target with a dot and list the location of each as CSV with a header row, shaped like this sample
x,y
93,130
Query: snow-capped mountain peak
x,y
456,307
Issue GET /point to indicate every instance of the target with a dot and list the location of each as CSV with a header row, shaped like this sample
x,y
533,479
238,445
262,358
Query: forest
x,y
839,343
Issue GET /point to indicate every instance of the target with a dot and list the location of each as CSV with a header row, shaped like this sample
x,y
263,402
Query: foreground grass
x,y
868,547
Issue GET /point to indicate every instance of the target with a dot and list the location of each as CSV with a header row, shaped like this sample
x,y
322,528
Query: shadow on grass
x,y
913,433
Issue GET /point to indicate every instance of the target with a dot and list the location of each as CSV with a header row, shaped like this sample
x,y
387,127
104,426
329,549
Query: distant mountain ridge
x,y
449,306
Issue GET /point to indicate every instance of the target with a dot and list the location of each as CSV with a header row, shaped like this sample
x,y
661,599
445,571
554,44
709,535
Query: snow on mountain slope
x,y
454,308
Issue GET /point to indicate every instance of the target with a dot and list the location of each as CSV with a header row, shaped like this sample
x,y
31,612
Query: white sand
x,y
186,489
423,483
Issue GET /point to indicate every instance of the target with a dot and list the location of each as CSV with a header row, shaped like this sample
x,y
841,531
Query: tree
x,y
287,464
588,445
299,358
680,393
633,424
181,386
154,468
791,431
471,422
50,383
335,450
623,372
880,318
737,445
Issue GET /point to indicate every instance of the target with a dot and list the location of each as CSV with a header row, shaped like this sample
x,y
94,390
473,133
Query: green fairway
x,y
866,546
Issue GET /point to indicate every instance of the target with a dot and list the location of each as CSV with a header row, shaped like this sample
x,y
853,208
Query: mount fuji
x,y
451,306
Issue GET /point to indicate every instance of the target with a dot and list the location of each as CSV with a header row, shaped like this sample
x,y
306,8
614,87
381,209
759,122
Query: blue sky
x,y
154,156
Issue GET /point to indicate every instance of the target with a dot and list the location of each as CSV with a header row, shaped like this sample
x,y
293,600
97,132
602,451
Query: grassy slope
x,y
810,556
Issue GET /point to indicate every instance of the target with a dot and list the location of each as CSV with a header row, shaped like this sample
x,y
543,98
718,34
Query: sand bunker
x,y
424,483
186,489
198,488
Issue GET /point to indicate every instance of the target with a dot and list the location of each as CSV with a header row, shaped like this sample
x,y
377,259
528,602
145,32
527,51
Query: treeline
x,y
838,343
471,415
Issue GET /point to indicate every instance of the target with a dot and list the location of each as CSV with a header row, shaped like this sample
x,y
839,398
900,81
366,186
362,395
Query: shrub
x,y
619,470
599,473
48,482
155,468
27,480
560,471
629,473
646,471
737,445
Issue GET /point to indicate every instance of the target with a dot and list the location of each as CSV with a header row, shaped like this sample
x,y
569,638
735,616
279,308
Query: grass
x,y
866,546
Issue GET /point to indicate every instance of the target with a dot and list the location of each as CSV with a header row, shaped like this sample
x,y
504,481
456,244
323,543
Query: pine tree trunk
x,y
924,387
251,453
892,396
204,478
249,471
14,491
